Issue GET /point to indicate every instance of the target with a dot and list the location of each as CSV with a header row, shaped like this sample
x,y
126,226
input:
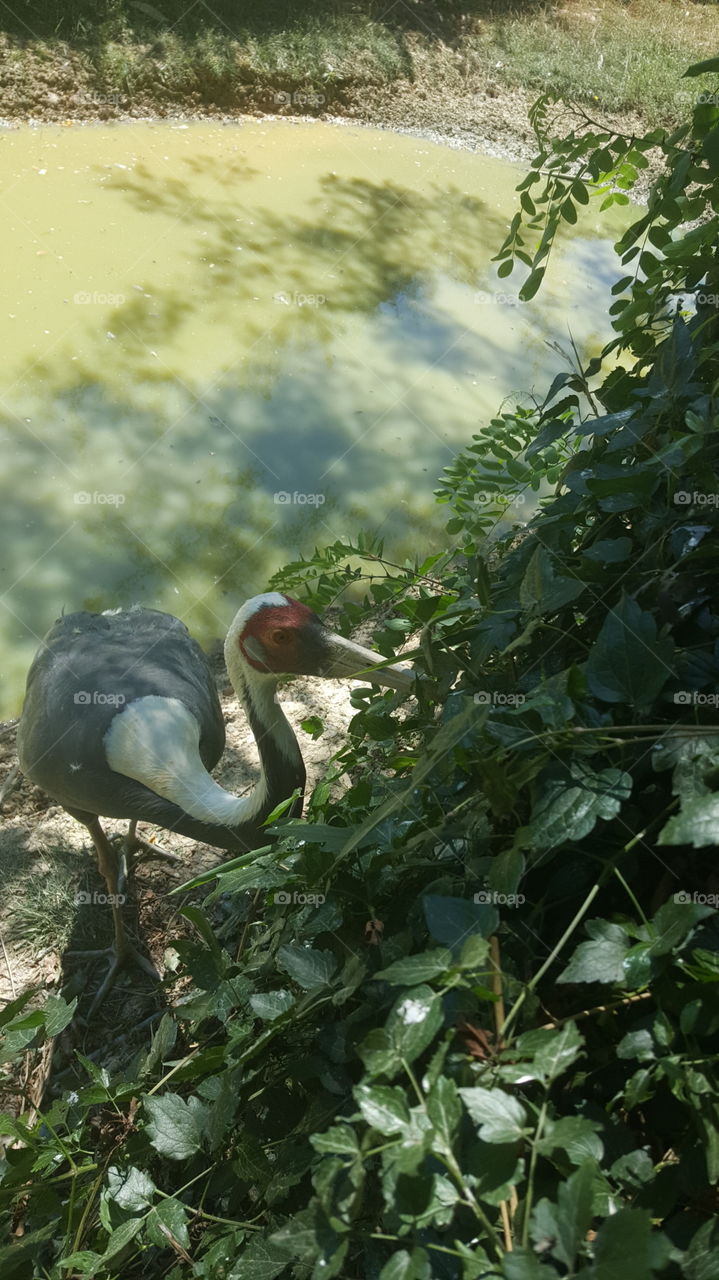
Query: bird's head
x,y
276,635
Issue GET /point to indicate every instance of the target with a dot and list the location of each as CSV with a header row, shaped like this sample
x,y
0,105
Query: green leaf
x,y
637,1044
609,550
551,1051
121,1237
384,1107
702,68
701,1260
623,1246
269,1005
597,961
260,1260
415,969
571,800
531,285
522,1264
575,1135
309,969
130,1188
501,1118
543,589
378,1053
444,1109
58,1014
629,662
167,1224
173,1126
452,920
414,1021
314,726
697,824
574,1212
340,1140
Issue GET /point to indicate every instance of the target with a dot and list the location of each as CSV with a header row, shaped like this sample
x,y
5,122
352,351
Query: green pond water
x,y
223,344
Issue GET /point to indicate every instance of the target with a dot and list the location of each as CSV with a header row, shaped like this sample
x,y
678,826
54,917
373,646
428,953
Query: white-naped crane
x,y
122,720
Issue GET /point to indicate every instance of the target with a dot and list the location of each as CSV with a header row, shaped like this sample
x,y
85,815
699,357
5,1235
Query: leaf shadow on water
x,y
194,462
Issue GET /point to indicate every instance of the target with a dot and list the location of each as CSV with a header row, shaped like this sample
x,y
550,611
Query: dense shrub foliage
x,y
472,1023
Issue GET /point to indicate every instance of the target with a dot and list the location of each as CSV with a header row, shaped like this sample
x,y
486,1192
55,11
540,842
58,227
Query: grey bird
x,y
122,720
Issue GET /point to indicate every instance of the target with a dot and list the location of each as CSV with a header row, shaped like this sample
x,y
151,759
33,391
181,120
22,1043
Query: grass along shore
x,y
471,67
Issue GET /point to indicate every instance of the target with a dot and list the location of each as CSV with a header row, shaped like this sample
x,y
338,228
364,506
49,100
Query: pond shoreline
x,y
479,115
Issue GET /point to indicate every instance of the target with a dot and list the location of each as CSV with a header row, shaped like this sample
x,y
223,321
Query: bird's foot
x,y
118,959
140,850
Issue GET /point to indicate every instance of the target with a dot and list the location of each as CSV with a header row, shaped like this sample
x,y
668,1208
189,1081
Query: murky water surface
x,y
224,344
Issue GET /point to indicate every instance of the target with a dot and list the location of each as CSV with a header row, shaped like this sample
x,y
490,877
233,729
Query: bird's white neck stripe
x,y
155,740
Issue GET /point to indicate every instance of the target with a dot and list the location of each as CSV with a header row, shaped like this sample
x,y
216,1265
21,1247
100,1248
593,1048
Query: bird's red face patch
x,y
276,638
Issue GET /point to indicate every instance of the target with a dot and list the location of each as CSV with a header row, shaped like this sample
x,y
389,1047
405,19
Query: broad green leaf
x,y
571,800
378,1053
637,1044
701,1260
551,1051
629,662
609,550
444,1109
121,1237
574,1212
623,1246
522,1264
259,1260
173,1126
308,968
384,1107
58,1014
452,920
340,1140
501,1118
414,1021
703,68
575,1135
531,284
601,960
543,588
415,969
269,1005
131,1188
697,823
168,1223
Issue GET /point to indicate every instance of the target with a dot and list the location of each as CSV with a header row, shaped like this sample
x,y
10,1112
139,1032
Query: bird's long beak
x,y
350,659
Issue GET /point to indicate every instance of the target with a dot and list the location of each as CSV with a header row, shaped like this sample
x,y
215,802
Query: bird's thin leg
x,y
122,950
132,844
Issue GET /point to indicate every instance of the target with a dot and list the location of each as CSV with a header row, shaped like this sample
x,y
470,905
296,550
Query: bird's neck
x,y
283,769
156,740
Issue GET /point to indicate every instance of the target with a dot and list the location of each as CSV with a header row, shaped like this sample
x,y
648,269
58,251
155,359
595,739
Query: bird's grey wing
x,y
88,668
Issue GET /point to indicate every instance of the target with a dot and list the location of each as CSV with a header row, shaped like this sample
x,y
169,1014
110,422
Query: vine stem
x,y
447,1156
576,920
532,1168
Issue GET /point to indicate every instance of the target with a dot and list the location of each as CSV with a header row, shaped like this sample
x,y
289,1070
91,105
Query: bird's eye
x,y
282,635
